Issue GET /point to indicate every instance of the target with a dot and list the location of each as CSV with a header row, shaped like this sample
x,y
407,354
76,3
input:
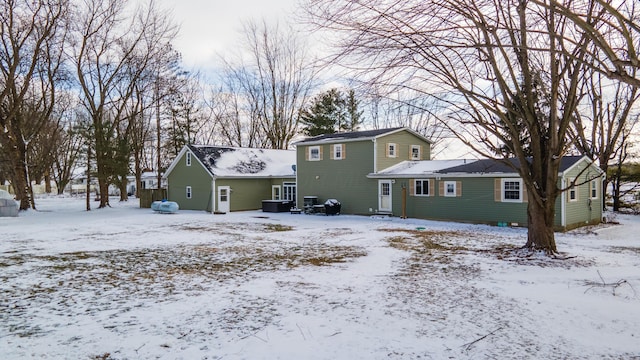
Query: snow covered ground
x,y
126,283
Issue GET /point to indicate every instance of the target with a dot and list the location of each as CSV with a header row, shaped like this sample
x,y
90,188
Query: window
x,y
422,187
189,192
289,191
392,150
573,191
338,151
415,152
594,189
449,188
314,153
275,192
188,159
511,190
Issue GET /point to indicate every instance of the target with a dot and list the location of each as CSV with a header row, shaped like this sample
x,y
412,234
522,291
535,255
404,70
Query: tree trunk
x,y
123,189
540,235
47,182
20,177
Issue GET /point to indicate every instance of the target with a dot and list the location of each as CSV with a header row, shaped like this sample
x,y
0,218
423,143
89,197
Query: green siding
x,y
583,210
247,194
403,140
476,203
344,180
195,176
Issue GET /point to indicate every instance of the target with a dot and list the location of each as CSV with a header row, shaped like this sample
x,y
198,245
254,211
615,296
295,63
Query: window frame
x,y
503,190
418,153
289,190
188,158
593,191
390,147
189,192
446,189
318,152
425,184
276,192
338,149
572,192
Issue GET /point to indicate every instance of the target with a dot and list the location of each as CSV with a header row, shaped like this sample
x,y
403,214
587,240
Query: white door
x,y
224,195
384,195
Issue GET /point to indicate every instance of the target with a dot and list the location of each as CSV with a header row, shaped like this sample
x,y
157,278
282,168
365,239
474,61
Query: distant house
x,y
335,166
488,191
223,179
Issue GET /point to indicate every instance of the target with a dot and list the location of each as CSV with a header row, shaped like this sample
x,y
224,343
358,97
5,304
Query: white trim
x,y
188,192
188,155
520,186
375,156
428,187
314,147
213,195
419,148
228,191
563,205
591,188
178,158
274,189
388,150
572,189
334,147
380,195
446,193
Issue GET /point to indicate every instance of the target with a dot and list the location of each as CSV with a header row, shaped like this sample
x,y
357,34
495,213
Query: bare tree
x,y
602,128
275,80
509,73
111,54
30,57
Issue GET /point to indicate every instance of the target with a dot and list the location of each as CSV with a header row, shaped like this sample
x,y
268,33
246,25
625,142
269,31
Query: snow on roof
x,y
422,167
245,162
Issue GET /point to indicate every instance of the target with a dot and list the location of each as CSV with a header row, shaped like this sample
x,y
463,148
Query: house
x,y
489,191
388,171
223,179
335,166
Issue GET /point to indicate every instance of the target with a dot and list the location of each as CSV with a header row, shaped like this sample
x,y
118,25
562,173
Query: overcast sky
x,y
210,27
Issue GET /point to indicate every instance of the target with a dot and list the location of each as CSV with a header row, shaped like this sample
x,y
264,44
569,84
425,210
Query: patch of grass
x,y
424,240
277,227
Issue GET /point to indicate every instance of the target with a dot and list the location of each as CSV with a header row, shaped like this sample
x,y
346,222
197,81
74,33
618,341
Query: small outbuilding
x,y
8,206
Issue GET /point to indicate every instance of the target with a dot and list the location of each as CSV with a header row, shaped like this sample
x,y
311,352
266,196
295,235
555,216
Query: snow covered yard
x,y
126,283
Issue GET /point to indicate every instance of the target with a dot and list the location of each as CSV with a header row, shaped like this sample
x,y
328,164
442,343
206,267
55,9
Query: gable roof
x,y
497,166
235,162
356,136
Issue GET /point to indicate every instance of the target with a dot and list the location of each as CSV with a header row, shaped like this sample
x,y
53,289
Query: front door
x,y
224,194
384,195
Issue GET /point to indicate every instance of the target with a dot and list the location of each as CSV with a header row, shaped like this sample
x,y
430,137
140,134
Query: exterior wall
x,y
403,140
585,209
195,176
344,180
476,203
247,194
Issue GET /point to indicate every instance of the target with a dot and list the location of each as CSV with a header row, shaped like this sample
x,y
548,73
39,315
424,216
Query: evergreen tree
x,y
331,112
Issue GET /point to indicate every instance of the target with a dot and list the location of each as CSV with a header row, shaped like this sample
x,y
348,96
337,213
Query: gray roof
x,y
499,166
350,135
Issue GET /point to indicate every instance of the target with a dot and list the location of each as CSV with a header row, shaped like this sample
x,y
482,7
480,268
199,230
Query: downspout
x,y
375,155
563,199
213,195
